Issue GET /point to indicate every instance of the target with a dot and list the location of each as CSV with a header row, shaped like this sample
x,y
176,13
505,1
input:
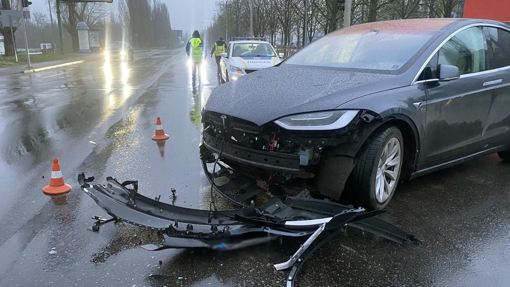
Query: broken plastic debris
x,y
53,252
92,142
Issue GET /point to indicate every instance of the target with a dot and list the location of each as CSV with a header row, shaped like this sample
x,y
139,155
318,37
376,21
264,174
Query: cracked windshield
x,y
254,143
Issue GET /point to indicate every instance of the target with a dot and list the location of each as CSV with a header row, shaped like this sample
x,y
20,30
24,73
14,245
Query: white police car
x,y
246,56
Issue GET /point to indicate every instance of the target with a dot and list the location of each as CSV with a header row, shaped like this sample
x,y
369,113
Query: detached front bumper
x,y
233,229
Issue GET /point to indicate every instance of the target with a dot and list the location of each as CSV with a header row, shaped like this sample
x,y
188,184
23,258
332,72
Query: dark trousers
x,y
218,58
195,70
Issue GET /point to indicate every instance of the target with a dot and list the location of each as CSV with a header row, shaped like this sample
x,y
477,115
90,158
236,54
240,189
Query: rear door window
x,y
499,40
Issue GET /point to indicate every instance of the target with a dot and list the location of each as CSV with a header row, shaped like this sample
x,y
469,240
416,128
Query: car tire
x,y
373,180
504,155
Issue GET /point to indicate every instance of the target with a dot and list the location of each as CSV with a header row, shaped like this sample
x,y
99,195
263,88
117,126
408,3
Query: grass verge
x,y
11,60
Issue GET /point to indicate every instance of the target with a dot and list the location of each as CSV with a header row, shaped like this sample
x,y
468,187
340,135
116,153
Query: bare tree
x,y
286,17
145,24
140,22
39,30
404,9
91,13
443,8
161,23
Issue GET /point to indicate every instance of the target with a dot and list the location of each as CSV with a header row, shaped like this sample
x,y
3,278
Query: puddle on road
x,y
127,237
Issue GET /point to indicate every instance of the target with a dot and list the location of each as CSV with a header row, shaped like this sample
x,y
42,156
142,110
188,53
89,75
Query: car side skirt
x,y
456,161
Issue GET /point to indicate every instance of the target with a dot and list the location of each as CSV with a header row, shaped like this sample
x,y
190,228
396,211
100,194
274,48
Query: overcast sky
x,y
187,15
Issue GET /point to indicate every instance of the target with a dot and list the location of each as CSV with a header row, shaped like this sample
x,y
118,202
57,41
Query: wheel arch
x,y
348,153
411,141
409,132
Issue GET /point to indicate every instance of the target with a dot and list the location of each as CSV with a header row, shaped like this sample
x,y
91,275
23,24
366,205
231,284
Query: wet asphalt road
x,y
99,118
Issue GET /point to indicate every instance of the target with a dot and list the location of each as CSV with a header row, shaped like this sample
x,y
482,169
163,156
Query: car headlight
x,y
235,69
330,120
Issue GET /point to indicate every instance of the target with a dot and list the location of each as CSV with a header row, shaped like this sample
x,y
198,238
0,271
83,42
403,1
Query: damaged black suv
x,y
364,107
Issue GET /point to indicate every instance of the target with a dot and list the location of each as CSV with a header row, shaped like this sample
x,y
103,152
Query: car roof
x,y
248,42
416,25
421,25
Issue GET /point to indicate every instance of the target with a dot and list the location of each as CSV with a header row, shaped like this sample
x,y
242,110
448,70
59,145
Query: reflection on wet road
x,y
99,117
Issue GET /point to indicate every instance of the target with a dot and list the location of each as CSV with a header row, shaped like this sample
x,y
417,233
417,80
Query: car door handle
x,y
490,83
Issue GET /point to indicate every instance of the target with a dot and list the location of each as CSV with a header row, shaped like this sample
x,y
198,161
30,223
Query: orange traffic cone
x,y
160,133
161,148
57,187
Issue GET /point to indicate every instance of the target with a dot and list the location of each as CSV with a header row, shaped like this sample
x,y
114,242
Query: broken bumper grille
x,y
256,158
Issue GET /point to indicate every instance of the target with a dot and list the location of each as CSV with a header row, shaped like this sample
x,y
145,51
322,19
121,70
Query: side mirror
x,y
224,55
448,72
281,55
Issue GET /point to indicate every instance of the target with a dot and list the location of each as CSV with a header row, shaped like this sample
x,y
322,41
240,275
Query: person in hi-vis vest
x,y
218,48
195,51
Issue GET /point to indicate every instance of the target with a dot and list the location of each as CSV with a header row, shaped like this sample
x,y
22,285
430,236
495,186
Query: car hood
x,y
275,92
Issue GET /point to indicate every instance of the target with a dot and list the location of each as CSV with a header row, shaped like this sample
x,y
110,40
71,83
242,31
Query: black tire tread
x,y
504,155
363,168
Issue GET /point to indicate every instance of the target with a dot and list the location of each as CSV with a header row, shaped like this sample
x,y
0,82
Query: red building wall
x,y
498,10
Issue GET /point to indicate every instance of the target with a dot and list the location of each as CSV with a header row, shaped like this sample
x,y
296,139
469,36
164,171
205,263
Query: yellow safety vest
x,y
219,49
197,51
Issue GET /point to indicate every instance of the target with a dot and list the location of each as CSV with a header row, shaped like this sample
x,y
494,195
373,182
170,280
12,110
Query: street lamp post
x,y
347,13
305,32
226,20
251,17
26,38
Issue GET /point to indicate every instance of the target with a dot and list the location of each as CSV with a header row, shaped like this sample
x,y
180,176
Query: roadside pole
x,y
13,40
305,32
251,18
347,13
26,38
60,28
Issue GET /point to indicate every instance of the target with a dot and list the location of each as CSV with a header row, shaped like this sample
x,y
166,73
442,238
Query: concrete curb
x,y
53,67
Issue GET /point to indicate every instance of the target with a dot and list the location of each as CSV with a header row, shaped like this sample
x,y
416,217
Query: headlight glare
x,y
329,120
235,69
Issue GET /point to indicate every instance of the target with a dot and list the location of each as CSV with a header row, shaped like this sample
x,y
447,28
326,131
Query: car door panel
x,y
457,110
496,131
456,114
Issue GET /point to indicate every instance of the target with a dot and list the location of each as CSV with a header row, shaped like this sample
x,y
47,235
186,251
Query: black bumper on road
x,y
233,229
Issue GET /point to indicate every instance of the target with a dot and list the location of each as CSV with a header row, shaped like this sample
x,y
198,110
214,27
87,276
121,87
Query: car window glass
x,y
253,50
500,43
466,50
370,50
430,70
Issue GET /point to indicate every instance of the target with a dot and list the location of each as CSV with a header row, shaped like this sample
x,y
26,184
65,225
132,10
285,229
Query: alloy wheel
x,y
388,170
